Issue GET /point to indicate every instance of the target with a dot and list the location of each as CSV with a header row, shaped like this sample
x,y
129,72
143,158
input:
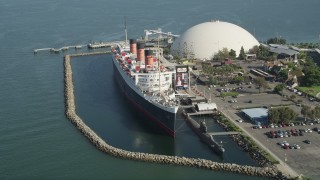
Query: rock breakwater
x,y
270,172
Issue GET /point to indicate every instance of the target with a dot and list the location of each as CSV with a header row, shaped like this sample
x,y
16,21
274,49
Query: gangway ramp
x,y
201,113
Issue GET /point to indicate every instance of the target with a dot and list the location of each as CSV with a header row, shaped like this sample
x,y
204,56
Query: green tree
x,y
288,115
242,54
311,74
238,79
232,53
281,115
262,83
222,54
276,40
311,114
279,89
207,68
283,75
305,111
317,112
187,51
212,81
302,55
255,50
263,52
273,115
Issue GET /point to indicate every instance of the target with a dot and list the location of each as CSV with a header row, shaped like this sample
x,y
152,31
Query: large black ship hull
x,y
164,119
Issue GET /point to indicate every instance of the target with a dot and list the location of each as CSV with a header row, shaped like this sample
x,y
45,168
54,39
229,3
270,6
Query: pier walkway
x,y
223,133
94,45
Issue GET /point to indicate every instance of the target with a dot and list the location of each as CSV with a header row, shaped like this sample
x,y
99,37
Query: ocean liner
x,y
146,83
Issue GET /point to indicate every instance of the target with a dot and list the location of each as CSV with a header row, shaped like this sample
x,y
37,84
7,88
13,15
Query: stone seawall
x,y
270,172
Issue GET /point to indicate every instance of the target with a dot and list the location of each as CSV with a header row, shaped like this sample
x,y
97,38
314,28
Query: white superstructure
x,y
152,82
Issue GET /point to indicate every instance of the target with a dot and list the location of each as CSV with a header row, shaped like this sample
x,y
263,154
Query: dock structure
x,y
94,45
42,49
223,133
99,45
201,113
58,50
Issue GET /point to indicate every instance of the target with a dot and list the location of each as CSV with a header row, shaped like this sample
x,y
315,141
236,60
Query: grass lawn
x,y
313,91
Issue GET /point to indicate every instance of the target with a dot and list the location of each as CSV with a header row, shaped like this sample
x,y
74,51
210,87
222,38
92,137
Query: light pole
x,y
285,157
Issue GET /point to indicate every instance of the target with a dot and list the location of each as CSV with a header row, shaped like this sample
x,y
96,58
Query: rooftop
x,y
256,113
280,50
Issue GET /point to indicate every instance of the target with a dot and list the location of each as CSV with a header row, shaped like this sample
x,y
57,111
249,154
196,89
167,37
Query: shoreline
x,y
269,172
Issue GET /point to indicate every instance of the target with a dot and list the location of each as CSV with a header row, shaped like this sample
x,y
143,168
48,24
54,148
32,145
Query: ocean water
x,y
36,139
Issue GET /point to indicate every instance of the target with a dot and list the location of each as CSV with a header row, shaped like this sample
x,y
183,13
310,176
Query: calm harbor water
x,y
36,139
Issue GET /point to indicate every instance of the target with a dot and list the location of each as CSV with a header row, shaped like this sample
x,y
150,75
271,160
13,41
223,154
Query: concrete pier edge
x,y
269,172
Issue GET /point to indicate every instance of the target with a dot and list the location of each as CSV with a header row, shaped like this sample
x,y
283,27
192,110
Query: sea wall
x,y
270,172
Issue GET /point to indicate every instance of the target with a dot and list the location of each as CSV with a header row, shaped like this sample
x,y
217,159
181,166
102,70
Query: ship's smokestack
x,y
133,46
140,52
149,57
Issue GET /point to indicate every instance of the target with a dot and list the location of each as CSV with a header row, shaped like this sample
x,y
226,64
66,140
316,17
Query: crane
x,y
159,32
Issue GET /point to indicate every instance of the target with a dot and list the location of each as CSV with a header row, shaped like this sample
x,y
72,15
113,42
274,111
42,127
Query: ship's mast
x,y
125,29
159,65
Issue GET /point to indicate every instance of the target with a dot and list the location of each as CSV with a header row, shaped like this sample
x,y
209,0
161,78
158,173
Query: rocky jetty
x,y
243,143
270,172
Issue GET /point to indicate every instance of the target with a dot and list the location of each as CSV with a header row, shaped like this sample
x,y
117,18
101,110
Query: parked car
x,y
296,146
256,127
233,101
307,141
300,133
309,130
240,120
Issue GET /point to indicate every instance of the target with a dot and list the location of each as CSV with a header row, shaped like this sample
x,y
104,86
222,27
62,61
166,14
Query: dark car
x,y
307,141
300,133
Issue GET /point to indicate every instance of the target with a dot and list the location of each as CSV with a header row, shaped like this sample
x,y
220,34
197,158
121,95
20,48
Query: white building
x,y
204,40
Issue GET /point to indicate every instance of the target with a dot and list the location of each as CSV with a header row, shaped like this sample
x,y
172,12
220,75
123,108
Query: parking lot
x,y
304,160
257,100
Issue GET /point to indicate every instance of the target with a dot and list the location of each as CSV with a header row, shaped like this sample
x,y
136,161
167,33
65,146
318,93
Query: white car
x,y
285,143
296,146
